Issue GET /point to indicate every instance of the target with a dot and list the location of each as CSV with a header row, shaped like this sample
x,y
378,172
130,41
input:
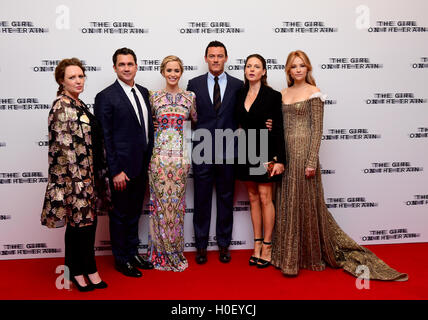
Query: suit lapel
x,y
146,99
259,98
227,94
149,113
125,101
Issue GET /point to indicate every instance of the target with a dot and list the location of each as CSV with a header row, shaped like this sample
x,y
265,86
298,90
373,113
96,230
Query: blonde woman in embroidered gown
x,y
306,234
168,169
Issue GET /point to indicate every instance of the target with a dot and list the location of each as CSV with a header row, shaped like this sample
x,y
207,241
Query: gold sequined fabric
x,y
306,234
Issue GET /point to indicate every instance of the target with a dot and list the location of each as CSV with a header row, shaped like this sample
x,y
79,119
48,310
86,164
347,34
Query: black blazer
x,y
126,147
267,105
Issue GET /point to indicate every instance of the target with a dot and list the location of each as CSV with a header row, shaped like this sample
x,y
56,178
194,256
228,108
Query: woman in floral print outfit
x,y
168,170
78,188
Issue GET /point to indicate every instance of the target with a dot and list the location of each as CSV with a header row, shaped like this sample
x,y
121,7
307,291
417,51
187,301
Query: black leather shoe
x,y
140,263
224,254
128,270
201,256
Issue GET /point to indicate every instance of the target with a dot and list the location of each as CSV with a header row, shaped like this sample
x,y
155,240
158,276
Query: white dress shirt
x,y
222,82
131,98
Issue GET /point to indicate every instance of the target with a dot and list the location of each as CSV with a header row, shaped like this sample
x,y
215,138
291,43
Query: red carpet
x,y
35,280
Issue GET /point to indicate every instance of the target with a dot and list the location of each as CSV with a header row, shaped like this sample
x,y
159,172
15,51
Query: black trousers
x,y
124,219
79,249
205,177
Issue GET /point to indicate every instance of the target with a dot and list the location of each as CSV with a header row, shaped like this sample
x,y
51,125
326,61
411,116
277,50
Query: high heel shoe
x,y
86,288
261,263
253,260
99,285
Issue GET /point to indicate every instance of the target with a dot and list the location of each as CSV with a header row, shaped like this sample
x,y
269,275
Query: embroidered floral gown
x,y
168,170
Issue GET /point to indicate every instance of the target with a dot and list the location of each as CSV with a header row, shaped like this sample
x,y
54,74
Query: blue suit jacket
x,y
208,118
126,147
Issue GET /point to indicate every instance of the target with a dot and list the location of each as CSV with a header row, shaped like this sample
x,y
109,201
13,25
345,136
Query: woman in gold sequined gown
x,y
306,234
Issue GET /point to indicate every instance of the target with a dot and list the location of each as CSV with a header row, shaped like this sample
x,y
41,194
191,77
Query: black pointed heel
x,y
86,288
99,285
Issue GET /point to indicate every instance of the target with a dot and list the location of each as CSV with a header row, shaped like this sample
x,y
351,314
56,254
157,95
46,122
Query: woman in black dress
x,y
257,102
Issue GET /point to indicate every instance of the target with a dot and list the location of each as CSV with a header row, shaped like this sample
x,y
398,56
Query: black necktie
x,y
216,96
140,112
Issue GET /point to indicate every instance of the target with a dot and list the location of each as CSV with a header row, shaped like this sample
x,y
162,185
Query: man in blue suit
x,y
215,104
123,109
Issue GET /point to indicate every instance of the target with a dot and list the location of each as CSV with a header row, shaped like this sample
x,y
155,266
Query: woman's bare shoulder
x,y
313,89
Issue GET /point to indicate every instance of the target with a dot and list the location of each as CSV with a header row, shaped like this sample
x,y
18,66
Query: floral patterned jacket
x,y
75,194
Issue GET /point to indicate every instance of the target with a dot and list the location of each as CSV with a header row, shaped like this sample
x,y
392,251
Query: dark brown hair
x,y
60,71
263,61
215,43
124,51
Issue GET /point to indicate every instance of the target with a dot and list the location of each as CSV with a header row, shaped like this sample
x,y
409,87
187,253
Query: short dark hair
x,y
215,43
124,51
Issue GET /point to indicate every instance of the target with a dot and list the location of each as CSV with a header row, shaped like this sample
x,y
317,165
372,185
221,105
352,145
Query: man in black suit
x,y
215,103
123,109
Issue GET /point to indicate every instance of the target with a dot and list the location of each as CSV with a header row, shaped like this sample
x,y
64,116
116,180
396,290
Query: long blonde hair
x,y
299,53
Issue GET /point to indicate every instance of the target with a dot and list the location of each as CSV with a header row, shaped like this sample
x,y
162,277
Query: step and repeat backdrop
x,y
370,58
